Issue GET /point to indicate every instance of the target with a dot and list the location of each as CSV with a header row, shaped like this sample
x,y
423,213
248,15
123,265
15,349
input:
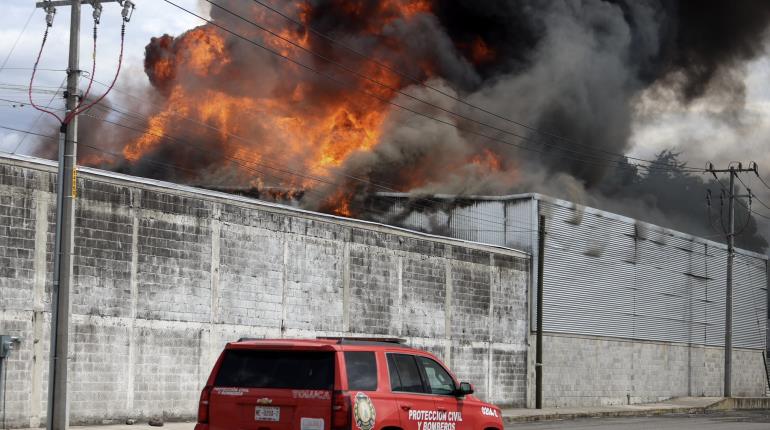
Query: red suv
x,y
330,384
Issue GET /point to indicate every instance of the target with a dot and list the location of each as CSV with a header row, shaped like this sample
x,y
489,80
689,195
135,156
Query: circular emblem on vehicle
x,y
363,412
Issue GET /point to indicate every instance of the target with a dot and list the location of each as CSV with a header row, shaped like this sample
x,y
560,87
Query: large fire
x,y
280,123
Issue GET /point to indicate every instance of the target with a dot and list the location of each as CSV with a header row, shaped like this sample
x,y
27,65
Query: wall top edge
x,y
51,166
587,209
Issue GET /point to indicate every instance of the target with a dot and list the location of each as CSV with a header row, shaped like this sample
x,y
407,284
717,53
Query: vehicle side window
x,y
404,374
439,381
362,371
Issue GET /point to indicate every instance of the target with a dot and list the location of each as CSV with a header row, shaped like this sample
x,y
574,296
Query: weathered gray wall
x,y
164,277
597,371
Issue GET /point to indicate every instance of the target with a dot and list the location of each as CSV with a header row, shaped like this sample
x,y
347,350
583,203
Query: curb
x,y
742,404
603,414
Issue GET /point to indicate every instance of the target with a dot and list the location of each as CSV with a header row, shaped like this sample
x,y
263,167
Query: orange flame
x,y
481,52
288,125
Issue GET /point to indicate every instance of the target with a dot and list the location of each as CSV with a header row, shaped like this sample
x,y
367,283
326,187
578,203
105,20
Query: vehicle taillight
x,y
340,410
203,405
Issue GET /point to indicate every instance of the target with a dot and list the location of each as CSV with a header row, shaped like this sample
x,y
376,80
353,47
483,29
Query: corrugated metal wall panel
x,y
479,222
521,224
612,276
654,285
715,306
589,261
429,221
749,302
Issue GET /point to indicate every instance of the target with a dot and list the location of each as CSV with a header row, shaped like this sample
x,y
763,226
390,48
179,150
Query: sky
x,y
151,18
707,130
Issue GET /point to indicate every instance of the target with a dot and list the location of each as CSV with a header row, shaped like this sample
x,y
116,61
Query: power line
x,y
749,209
763,182
285,170
753,196
176,167
438,90
378,185
16,42
173,166
618,164
34,72
425,85
5,127
40,115
399,91
386,86
761,202
281,169
38,69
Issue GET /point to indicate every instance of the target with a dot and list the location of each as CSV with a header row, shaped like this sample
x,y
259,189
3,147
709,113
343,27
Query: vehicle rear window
x,y
362,371
301,370
404,374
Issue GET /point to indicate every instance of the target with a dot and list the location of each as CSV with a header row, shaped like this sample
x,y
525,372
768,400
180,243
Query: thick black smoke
x,y
697,38
575,69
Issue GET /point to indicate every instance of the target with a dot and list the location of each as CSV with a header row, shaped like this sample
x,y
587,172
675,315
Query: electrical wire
x,y
39,69
304,175
240,162
761,215
283,170
72,113
512,228
421,83
746,224
722,220
279,169
749,209
5,127
386,86
711,221
381,185
18,38
32,79
172,166
345,85
763,182
78,111
753,197
410,96
39,116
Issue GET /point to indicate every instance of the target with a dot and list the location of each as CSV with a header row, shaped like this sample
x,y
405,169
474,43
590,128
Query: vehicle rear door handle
x,y
406,407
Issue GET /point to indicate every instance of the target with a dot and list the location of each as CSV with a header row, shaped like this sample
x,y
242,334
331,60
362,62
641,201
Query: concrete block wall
x,y
600,371
164,276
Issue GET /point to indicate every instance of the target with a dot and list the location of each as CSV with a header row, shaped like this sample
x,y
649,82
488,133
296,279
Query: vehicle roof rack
x,y
355,339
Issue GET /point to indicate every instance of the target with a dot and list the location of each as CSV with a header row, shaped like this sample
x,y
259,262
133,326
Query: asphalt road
x,y
755,420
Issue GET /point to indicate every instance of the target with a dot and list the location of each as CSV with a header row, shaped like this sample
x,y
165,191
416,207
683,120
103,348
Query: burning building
x,y
340,99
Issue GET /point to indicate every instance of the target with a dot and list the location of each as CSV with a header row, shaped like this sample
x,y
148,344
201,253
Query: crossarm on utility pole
x,y
43,4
